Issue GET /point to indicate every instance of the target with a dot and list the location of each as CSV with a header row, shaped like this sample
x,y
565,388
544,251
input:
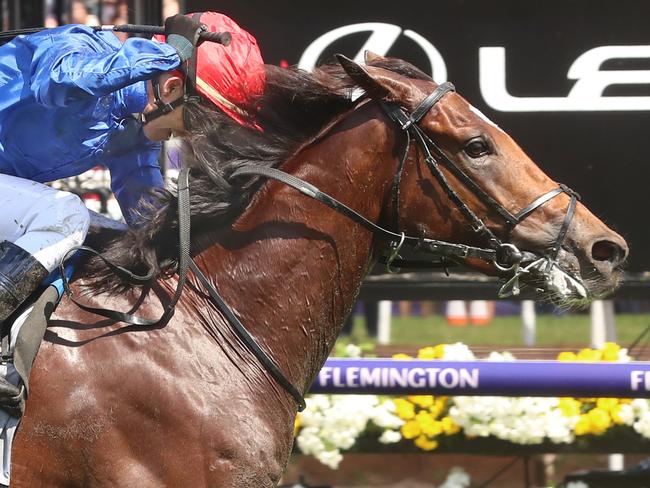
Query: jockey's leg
x,y
38,225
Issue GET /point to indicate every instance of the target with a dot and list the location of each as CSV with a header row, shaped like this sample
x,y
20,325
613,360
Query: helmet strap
x,y
162,107
189,89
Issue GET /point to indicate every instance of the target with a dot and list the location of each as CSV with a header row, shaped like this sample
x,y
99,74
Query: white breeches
x,y
43,221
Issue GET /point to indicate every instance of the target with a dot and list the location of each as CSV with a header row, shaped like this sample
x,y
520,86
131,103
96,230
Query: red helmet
x,y
232,77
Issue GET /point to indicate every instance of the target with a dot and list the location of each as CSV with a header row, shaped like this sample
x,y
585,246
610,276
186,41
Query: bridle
x,y
504,255
507,256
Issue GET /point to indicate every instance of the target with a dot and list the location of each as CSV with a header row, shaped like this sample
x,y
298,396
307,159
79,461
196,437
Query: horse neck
x,y
291,267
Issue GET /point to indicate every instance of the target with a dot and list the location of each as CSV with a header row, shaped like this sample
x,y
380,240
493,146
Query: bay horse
x,y
186,403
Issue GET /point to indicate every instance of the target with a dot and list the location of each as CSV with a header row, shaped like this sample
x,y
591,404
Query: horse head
x,y
465,180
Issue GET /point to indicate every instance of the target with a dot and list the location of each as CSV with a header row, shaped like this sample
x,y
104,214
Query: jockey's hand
x,y
182,33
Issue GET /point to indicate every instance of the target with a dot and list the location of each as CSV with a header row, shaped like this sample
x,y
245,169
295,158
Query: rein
x,y
505,256
185,261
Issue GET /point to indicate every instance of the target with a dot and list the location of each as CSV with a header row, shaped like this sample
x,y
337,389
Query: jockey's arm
x,y
132,177
83,63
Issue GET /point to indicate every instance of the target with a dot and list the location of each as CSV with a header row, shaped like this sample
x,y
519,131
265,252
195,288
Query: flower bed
x,y
333,424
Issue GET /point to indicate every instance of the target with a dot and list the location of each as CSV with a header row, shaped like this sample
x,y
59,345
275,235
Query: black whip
x,y
218,37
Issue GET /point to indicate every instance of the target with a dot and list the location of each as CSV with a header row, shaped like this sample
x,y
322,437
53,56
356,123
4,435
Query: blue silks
x,y
66,99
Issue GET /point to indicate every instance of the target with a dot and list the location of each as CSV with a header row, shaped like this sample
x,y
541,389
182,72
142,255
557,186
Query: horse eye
x,y
477,148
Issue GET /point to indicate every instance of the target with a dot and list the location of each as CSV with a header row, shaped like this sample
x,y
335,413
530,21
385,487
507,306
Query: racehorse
x,y
186,403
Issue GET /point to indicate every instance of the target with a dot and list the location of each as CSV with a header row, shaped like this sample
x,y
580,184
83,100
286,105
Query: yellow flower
x,y
297,424
590,355
610,351
448,426
600,420
427,353
426,444
404,409
423,401
607,404
570,407
583,425
428,424
438,405
401,356
616,414
411,430
567,356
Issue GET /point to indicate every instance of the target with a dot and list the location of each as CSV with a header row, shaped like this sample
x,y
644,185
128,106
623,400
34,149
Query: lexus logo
x,y
586,95
382,38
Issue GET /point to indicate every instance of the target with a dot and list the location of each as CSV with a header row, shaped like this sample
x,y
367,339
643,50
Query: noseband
x,y
507,256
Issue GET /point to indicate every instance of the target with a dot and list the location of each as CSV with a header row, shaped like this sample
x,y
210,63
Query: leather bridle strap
x,y
245,336
440,248
426,104
573,202
410,127
183,263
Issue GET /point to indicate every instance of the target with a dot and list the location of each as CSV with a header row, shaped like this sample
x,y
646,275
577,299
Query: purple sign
x,y
484,378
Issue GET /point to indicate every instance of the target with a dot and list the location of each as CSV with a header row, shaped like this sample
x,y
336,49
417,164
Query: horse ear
x,y
370,57
361,76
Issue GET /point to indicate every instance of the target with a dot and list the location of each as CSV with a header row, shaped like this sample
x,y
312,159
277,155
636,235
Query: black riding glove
x,y
182,33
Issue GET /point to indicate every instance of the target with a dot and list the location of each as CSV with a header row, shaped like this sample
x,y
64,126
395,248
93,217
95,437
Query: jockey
x,y
72,98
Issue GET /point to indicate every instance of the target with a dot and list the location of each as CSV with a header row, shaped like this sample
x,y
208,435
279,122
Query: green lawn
x,y
552,330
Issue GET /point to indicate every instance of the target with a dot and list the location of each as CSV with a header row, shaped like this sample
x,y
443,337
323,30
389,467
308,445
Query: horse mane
x,y
295,107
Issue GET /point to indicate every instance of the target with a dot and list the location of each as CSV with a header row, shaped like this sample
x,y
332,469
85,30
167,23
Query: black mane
x,y
295,107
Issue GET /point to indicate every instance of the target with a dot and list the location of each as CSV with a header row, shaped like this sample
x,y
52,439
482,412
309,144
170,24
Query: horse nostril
x,y
607,251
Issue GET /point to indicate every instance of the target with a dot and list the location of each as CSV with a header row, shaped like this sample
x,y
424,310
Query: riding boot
x,y
20,275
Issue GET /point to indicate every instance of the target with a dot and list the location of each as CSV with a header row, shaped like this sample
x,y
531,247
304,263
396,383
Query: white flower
x,y
352,351
626,414
518,420
577,484
330,458
623,356
457,352
642,425
334,423
390,437
501,356
457,478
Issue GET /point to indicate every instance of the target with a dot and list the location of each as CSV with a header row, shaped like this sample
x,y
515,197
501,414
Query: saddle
x,y
22,333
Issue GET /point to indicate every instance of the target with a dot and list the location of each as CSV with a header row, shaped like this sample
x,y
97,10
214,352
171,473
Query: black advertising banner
x,y
569,80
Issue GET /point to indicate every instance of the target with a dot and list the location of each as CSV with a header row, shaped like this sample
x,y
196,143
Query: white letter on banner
x,y
469,378
418,382
635,379
370,377
352,377
398,377
433,377
324,375
336,377
448,383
